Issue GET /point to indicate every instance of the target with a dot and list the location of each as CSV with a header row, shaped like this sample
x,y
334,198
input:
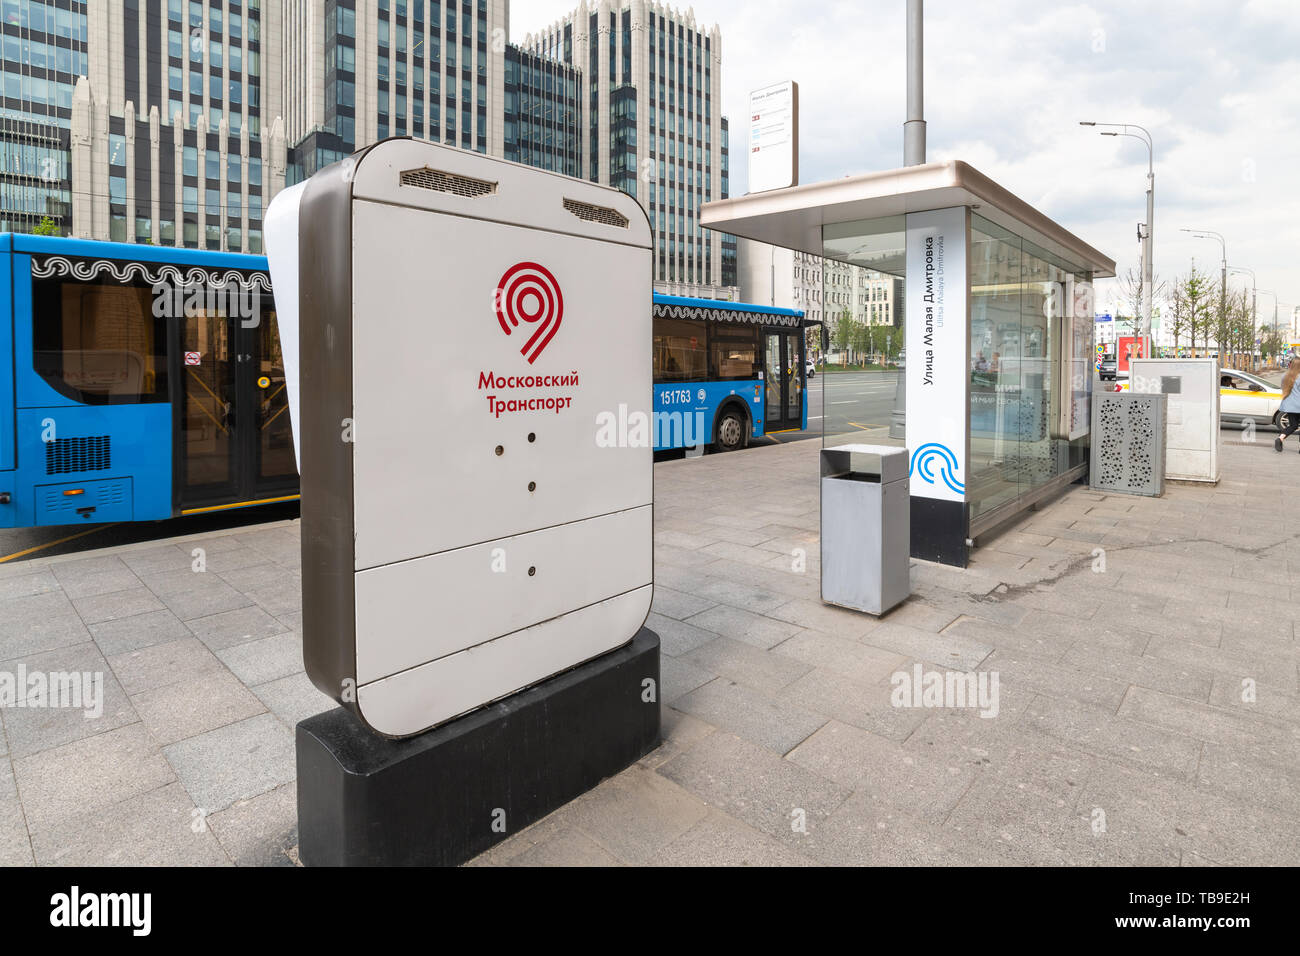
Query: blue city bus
x,y
726,372
137,383
143,382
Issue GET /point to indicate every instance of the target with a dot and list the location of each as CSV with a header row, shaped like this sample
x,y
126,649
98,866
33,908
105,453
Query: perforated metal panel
x,y
1128,443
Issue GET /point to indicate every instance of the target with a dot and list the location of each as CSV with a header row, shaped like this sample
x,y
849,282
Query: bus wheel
x,y
731,431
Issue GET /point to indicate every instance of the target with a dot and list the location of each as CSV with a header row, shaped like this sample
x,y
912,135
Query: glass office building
x,y
364,70
650,108
141,120
542,110
42,52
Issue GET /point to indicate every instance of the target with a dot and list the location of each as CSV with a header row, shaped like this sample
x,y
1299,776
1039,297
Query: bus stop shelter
x,y
998,319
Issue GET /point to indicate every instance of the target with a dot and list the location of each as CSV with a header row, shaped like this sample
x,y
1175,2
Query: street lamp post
x,y
1223,265
1148,268
1254,308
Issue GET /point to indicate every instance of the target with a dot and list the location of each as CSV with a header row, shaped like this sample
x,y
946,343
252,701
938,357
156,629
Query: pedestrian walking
x,y
1290,403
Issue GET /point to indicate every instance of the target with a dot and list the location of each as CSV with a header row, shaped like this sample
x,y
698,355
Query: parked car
x,y
1109,368
1245,396
810,368
902,358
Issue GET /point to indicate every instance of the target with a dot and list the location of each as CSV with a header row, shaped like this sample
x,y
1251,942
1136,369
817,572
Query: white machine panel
x,y
1193,428
463,323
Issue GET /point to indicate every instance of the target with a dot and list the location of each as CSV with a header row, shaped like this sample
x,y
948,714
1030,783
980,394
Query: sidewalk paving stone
x,y
293,698
15,844
158,828
722,840
746,664
749,714
266,659
261,830
139,631
742,625
914,782
39,622
64,783
678,676
1124,734
755,785
31,730
234,762
194,705
161,664
225,629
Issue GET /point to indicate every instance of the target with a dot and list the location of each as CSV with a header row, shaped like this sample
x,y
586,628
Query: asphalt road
x,y
851,401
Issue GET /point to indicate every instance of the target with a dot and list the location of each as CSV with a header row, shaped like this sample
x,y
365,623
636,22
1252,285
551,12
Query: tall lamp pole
x,y
1223,265
914,127
1148,269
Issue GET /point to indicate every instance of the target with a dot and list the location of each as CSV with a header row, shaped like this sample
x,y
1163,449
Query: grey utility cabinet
x,y
1128,443
866,527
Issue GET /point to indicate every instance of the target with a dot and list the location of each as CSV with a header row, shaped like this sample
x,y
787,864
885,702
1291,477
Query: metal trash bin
x,y
866,522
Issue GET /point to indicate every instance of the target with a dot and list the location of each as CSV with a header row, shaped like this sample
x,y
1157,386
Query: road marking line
x,y
239,504
50,544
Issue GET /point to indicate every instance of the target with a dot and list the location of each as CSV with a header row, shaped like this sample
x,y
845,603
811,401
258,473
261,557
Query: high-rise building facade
x,y
177,121
825,289
161,117
358,71
651,111
42,52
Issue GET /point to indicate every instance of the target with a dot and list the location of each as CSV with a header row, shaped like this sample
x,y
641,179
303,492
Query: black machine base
x,y
445,796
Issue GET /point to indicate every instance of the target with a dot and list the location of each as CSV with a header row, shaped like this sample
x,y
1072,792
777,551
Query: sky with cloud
x,y
1217,84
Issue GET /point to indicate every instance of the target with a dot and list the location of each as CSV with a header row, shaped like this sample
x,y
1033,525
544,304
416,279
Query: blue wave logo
x,y
924,460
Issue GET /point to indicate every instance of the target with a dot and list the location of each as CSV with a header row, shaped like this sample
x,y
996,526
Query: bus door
x,y
783,377
233,432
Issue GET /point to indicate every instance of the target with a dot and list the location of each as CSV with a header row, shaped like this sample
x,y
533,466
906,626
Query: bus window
x,y
735,357
679,354
99,344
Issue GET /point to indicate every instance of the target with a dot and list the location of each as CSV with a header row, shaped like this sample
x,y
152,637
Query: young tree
x,y
1196,294
1130,288
861,339
844,333
46,227
1242,319
1177,313
1271,343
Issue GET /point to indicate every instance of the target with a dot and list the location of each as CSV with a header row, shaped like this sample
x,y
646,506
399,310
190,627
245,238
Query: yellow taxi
x,y
1244,396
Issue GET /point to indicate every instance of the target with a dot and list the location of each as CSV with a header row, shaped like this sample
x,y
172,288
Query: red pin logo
x,y
529,292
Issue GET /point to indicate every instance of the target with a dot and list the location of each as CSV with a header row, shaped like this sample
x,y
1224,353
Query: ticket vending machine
x,y
464,323
465,327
